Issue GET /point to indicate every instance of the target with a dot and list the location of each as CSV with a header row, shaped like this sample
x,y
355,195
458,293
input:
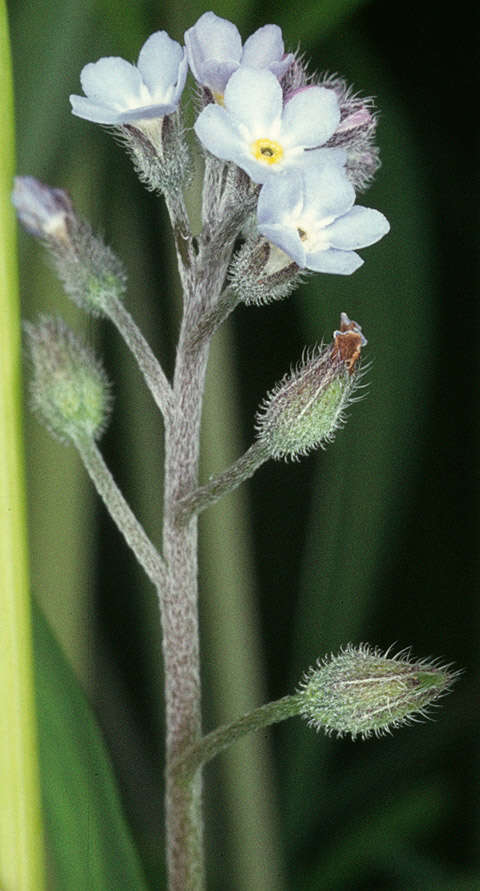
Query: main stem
x,y
181,638
202,273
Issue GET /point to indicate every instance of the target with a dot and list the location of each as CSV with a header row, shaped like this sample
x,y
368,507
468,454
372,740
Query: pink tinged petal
x,y
255,98
288,240
310,117
159,63
263,47
281,197
333,261
217,133
359,118
212,38
113,82
328,192
359,228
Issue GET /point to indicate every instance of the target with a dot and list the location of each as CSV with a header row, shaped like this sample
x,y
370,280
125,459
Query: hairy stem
x,y
222,737
213,318
237,473
121,513
181,639
149,365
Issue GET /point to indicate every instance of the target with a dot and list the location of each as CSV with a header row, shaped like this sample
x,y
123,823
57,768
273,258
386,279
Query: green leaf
x,y
89,837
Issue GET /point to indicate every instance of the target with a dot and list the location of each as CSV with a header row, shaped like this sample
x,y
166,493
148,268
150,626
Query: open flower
x,y
310,214
261,134
214,49
117,92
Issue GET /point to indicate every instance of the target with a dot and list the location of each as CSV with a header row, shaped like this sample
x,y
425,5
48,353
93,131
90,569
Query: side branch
x,y
211,320
122,515
149,365
215,742
237,473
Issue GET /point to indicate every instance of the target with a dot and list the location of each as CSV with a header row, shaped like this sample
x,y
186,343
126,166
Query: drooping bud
x,y
89,270
261,272
362,691
306,408
355,133
69,389
296,76
44,212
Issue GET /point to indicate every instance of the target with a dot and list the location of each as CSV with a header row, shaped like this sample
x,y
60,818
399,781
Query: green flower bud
x,y
363,692
69,390
306,408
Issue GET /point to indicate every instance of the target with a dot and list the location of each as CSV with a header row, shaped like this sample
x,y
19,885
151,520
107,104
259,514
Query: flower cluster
x,y
305,146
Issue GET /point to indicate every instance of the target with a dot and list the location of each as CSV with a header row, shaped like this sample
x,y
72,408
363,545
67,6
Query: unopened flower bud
x,y
44,212
361,691
69,390
355,132
306,408
89,270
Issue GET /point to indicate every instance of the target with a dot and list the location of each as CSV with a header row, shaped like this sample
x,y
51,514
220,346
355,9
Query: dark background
x,y
374,540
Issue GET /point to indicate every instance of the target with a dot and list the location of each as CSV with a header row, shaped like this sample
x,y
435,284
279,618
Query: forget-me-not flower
x,y
261,134
311,215
117,92
214,49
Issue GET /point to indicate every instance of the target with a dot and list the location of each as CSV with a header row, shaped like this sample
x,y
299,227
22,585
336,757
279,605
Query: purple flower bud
x,y
44,212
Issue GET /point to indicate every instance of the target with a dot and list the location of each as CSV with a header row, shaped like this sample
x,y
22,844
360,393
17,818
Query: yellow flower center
x,y
218,98
267,150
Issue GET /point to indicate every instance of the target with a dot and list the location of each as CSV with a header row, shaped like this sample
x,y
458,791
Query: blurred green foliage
x,y
373,540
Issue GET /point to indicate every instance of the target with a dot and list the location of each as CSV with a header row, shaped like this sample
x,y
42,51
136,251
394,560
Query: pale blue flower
x,y
214,49
261,134
117,92
311,215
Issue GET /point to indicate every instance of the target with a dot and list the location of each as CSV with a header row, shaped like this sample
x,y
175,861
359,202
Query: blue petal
x,y
359,228
288,240
333,261
159,63
281,196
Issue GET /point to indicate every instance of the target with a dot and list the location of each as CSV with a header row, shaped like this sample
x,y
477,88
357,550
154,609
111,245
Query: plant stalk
x,y
213,743
121,513
203,283
181,635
